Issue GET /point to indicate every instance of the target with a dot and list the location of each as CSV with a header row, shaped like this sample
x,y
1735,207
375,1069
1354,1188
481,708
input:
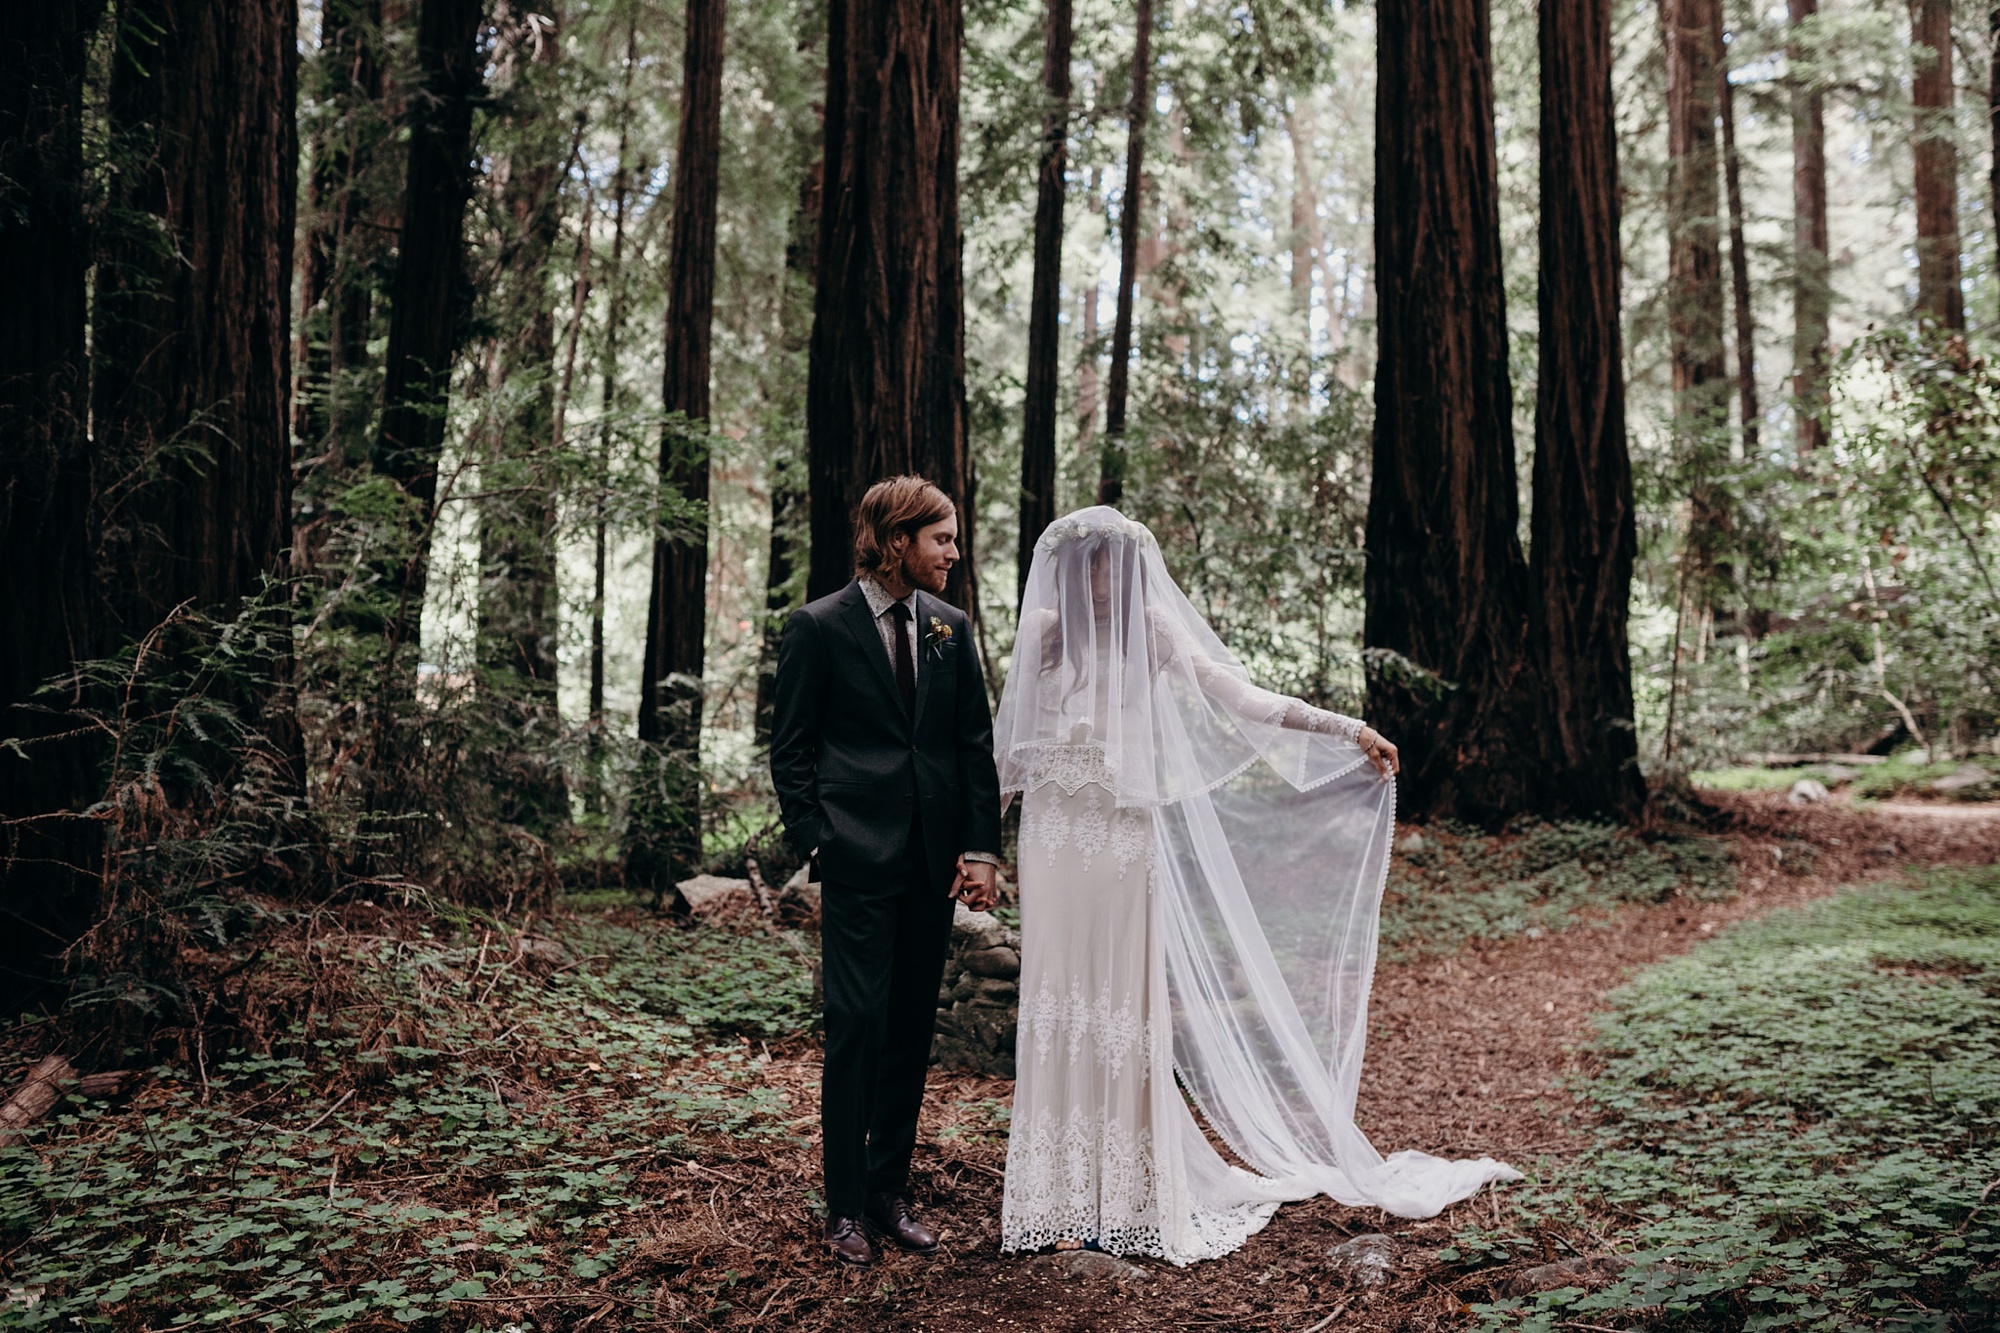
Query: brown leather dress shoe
x,y
847,1240
891,1215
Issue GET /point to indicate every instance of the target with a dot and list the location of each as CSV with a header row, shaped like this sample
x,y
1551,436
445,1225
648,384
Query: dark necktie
x,y
906,669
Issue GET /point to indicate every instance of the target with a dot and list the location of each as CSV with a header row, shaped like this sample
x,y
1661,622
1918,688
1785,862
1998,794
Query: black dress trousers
x,y
882,951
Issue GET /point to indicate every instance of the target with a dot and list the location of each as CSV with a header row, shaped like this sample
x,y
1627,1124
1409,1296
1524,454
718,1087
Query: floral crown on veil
x,y
1097,521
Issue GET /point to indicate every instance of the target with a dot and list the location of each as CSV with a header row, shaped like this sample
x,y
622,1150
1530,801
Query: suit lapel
x,y
925,668
868,642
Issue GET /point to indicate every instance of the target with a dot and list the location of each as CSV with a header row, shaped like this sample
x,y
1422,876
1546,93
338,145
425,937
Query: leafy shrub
x,y
454,1125
1800,1125
1456,886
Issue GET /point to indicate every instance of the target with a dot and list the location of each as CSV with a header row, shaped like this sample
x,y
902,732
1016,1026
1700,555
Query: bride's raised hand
x,y
1380,752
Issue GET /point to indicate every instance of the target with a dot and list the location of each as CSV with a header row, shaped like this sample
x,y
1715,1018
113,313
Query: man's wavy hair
x,y
896,505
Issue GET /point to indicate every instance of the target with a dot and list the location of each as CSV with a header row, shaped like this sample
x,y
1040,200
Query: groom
x,y
882,755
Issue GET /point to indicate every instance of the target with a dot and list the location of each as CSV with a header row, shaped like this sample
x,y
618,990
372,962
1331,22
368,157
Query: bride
x,y
1201,863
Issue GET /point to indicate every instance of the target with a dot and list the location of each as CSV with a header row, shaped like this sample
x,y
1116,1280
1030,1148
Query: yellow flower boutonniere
x,y
939,636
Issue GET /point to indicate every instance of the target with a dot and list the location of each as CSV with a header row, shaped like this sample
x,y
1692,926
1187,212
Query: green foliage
x,y
1457,885
1867,570
462,1127
1800,1126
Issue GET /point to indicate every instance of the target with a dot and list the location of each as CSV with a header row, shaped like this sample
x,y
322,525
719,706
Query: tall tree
x,y
614,326
677,616
885,389
1689,29
1038,414
1582,529
429,293
47,848
1812,288
349,76
1689,32
1446,583
1112,458
1939,297
1739,258
191,338
518,616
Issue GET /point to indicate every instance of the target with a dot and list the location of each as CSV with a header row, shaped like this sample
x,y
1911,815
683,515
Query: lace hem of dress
x,y
1087,1180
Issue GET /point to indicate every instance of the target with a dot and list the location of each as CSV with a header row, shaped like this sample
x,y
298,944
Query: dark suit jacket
x,y
848,760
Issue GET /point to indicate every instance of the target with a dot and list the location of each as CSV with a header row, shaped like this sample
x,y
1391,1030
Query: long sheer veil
x,y
1271,835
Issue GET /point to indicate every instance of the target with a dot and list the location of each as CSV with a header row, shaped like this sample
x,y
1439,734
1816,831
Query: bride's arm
x,y
1239,696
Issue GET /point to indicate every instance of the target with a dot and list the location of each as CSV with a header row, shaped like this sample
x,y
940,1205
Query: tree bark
x,y
670,687
429,296
1694,281
1447,586
1112,458
1739,258
47,623
886,382
1689,31
1583,534
1939,297
192,335
1038,416
1812,290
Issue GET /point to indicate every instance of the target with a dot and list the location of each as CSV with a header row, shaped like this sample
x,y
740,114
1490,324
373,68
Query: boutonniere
x,y
938,638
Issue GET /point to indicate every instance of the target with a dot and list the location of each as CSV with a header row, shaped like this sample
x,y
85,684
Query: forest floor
x,y
606,1123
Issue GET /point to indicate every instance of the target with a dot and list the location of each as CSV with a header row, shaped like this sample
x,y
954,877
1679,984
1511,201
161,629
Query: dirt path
x,y
1465,1054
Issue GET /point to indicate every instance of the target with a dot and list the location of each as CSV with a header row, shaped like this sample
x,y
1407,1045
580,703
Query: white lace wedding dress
x,y
1200,863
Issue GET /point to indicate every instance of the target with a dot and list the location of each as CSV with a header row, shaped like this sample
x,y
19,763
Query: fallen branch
x,y
35,1098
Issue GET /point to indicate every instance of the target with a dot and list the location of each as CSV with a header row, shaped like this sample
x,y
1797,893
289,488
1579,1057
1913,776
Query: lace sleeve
x,y
1241,697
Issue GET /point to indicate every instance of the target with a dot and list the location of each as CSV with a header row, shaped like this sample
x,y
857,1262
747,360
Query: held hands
x,y
1380,752
977,884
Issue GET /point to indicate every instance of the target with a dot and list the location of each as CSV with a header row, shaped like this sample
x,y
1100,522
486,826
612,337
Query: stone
x,y
1090,1265
1807,791
798,902
997,961
1410,842
1594,1271
540,955
979,996
1365,1260
1838,773
1966,776
714,895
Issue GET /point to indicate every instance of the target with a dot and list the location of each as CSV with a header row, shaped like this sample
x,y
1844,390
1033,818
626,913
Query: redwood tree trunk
x,y
677,615
886,382
1939,298
1583,535
1812,290
429,294
1447,587
1694,262
192,332
1689,30
1739,258
1038,416
46,621
665,827
1112,458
